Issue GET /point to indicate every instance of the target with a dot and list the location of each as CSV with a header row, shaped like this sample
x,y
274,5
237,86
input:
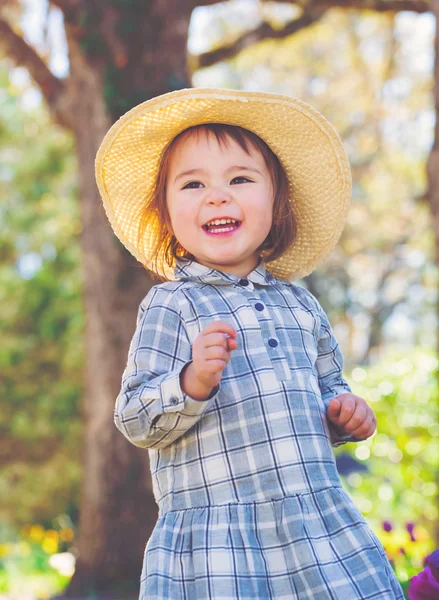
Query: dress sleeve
x,y
329,366
151,409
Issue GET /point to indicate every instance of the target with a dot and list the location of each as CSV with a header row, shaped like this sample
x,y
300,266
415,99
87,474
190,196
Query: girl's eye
x,y
192,185
240,179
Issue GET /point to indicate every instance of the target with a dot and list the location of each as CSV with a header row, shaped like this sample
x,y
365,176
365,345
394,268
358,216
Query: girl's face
x,y
209,181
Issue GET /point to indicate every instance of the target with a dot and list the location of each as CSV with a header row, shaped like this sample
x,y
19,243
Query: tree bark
x,y
117,508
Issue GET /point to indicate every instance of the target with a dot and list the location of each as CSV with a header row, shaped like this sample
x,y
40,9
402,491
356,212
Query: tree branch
x,y
314,9
23,55
262,32
418,6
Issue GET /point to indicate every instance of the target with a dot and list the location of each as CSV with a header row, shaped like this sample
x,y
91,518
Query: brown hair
x,y
283,229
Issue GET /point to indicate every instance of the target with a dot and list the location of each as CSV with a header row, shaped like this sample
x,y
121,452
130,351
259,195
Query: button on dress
x,y
251,506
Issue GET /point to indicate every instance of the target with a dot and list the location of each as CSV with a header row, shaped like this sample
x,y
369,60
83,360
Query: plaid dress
x,y
251,506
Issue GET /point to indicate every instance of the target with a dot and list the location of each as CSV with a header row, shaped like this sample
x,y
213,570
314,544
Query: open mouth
x,y
219,226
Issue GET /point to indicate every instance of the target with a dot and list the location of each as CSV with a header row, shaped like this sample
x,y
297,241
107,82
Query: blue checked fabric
x,y
251,505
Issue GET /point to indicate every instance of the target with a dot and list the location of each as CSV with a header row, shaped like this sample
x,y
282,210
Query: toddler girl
x,y
234,378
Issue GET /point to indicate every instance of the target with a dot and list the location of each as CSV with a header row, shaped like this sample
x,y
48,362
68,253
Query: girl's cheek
x,y
184,216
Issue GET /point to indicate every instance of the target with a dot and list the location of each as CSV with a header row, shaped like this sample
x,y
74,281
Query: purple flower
x,y
387,526
423,586
410,527
432,561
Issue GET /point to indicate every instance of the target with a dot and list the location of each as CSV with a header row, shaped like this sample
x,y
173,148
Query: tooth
x,y
221,222
222,230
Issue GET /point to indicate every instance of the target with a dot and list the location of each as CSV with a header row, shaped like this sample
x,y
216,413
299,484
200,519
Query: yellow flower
x,y
50,545
36,533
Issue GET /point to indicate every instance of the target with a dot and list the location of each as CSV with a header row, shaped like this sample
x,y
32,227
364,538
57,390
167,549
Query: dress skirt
x,y
304,546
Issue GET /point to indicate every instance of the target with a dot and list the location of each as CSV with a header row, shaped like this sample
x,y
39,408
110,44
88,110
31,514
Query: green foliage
x,y
399,495
41,317
35,561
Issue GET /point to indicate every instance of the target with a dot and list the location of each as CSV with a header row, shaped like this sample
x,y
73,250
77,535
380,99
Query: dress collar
x,y
189,270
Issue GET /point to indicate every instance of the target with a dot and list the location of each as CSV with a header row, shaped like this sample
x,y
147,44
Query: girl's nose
x,y
217,196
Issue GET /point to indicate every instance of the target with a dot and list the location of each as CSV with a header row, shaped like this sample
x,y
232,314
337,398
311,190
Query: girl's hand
x,y
352,415
211,352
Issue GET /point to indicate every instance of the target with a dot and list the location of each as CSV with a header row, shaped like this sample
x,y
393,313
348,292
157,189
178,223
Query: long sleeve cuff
x,y
337,438
175,400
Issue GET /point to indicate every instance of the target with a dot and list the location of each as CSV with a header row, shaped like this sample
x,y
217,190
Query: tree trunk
x,y
117,509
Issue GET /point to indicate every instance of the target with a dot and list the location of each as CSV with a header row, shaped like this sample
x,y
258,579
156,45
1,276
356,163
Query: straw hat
x,y
307,145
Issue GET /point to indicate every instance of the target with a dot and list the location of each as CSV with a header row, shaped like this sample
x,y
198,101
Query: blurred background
x,y
76,499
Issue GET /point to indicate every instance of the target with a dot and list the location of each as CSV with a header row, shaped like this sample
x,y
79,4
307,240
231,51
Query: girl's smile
x,y
220,202
223,226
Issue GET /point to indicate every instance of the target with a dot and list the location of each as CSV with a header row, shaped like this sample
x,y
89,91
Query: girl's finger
x,y
215,339
222,327
215,366
358,418
231,344
365,430
333,411
214,353
347,410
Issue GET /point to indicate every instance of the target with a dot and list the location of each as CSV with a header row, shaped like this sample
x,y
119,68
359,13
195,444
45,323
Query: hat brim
x,y
307,145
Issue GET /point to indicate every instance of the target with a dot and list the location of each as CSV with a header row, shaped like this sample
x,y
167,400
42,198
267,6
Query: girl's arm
x,y
330,373
152,411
